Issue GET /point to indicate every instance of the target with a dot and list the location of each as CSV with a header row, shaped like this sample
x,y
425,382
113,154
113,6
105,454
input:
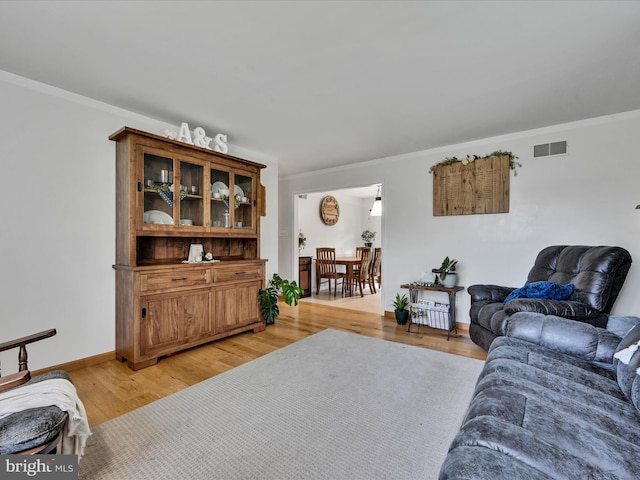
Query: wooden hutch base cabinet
x,y
170,195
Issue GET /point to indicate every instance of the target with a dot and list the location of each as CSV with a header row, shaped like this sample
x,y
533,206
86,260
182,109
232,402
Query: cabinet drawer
x,y
237,273
169,280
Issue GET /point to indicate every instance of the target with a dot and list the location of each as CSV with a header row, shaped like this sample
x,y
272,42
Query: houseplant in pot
x,y
400,306
268,298
367,237
447,272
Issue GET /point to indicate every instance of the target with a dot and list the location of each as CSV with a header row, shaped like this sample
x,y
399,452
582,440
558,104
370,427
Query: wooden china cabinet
x,y
171,195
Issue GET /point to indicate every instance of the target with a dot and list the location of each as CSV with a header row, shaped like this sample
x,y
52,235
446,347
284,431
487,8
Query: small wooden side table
x,y
451,292
304,275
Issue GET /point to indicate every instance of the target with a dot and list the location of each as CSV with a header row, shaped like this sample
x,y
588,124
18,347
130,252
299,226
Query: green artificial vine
x,y
513,165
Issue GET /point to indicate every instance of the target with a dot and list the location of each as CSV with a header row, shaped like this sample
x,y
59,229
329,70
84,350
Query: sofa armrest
x,y
560,308
489,293
621,325
562,335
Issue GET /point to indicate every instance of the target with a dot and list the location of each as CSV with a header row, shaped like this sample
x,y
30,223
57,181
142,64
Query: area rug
x,y
335,405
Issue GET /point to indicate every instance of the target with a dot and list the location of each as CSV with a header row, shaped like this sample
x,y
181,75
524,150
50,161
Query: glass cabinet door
x,y
191,192
244,211
220,212
158,190
195,195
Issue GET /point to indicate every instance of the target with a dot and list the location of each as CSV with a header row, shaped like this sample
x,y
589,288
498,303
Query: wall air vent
x,y
549,149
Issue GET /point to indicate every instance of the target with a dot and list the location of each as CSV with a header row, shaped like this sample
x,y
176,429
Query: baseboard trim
x,y
78,364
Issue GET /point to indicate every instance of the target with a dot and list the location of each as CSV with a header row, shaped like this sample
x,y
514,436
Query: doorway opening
x,y
345,235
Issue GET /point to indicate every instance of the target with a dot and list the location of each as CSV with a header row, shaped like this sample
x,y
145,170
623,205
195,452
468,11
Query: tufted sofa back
x,y
597,273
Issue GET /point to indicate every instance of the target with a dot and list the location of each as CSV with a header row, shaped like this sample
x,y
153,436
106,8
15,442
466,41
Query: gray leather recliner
x,y
596,273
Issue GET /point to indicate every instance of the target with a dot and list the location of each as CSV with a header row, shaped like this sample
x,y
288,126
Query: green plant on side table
x,y
400,305
268,298
446,273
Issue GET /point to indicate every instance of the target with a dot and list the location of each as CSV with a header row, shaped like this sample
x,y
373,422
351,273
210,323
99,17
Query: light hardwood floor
x,y
110,388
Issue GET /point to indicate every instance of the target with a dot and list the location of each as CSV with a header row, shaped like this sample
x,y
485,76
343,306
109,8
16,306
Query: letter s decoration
x,y
220,141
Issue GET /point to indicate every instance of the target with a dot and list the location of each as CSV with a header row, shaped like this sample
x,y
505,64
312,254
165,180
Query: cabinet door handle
x,y
144,312
139,186
241,273
178,279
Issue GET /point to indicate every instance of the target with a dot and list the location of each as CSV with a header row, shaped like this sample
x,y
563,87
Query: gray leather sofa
x,y
596,274
553,403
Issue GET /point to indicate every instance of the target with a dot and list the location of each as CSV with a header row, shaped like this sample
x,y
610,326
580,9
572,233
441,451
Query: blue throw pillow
x,y
547,290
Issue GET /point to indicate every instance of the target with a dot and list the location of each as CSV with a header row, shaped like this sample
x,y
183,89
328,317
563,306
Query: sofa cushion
x,y
546,290
472,463
486,313
577,339
30,428
597,273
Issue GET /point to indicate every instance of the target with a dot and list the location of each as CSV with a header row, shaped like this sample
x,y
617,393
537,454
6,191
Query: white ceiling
x,y
320,84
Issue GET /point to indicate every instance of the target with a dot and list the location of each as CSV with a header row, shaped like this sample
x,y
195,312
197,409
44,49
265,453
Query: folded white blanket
x,y
58,392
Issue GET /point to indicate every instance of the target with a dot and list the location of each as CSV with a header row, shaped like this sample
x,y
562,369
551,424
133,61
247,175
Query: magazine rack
x,y
431,313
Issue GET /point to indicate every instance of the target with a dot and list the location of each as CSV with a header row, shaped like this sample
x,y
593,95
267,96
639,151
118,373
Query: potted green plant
x,y
400,305
268,298
367,237
446,273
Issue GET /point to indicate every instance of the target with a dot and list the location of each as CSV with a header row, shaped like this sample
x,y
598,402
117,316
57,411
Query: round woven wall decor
x,y
329,210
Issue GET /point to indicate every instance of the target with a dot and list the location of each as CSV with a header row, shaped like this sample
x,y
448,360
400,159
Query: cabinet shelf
x,y
226,202
188,195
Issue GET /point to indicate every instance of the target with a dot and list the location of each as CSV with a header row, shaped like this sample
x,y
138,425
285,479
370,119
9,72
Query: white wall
x,y
57,218
587,197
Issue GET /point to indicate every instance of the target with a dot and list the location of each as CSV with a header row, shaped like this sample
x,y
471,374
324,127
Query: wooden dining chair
x,y
326,268
376,273
359,251
362,276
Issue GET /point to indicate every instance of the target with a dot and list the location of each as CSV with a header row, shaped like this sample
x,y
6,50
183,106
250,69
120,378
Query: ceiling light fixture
x,y
376,209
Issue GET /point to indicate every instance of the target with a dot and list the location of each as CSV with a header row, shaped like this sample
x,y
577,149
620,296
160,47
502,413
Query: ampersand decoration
x,y
200,138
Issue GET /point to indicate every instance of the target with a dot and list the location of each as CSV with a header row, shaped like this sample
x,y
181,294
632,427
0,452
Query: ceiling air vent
x,y
549,149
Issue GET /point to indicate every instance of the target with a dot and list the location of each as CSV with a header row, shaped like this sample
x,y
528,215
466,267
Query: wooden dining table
x,y
349,263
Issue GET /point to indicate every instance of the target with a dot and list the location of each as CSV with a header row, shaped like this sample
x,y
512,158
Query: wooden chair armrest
x,y
15,379
22,343
26,340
